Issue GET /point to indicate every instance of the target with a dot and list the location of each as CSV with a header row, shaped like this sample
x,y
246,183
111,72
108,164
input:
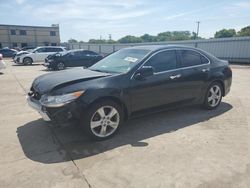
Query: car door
x,y
88,58
195,71
39,54
50,51
6,52
162,87
73,59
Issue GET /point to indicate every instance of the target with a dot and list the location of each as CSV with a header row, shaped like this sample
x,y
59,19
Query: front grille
x,y
34,94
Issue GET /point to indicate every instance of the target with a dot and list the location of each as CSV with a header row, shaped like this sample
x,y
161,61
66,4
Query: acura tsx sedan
x,y
128,83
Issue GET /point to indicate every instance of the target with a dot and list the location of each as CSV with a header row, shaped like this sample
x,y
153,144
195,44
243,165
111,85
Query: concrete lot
x,y
188,147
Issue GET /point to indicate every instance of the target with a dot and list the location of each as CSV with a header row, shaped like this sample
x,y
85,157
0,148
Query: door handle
x,y
205,70
175,76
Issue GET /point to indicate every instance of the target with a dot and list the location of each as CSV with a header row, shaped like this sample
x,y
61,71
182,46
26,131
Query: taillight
x,y
1,57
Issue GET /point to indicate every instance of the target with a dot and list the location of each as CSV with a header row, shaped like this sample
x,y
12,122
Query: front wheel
x,y
213,96
102,120
60,66
27,61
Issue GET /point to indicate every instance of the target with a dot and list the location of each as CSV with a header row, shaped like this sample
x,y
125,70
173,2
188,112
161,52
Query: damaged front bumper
x,y
36,105
59,115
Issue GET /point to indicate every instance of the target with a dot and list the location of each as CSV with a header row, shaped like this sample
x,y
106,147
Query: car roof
x,y
80,50
50,47
76,50
160,47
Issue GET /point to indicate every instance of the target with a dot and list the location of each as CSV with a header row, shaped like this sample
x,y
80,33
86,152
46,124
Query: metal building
x,y
20,36
235,49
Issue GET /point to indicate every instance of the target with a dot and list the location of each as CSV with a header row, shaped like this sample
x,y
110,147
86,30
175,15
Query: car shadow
x,y
21,65
65,143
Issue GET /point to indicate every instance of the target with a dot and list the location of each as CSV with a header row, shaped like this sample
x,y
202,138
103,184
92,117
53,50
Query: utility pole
x,y
110,37
198,28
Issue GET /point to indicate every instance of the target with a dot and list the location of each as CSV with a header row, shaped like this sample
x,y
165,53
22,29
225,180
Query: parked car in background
x,y
6,52
2,64
28,48
17,49
38,54
128,83
72,58
18,55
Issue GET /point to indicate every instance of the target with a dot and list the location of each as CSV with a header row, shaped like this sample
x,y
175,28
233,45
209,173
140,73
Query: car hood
x,y
57,55
46,83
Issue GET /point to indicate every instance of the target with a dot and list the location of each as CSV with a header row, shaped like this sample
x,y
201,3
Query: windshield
x,y
32,51
121,61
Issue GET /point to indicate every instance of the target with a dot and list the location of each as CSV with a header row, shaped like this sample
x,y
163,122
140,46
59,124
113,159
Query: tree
x,y
181,35
225,33
165,36
101,41
148,38
97,41
174,35
244,31
72,41
130,39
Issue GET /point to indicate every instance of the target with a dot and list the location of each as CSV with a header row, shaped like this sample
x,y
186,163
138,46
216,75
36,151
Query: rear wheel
x,y
213,96
102,120
27,61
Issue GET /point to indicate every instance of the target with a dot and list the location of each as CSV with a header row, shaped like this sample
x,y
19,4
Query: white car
x,y
2,64
19,54
38,54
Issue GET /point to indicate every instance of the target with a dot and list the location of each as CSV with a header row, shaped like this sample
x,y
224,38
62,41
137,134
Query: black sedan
x,y
6,52
129,83
72,58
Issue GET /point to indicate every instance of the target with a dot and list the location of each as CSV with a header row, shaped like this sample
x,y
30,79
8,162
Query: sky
x,y
86,19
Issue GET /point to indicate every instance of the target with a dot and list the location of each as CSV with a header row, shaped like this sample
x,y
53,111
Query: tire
x,y
97,120
60,66
213,96
27,61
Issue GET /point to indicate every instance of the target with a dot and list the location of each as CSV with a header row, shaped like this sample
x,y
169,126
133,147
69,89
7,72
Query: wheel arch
x,y
27,57
116,100
221,82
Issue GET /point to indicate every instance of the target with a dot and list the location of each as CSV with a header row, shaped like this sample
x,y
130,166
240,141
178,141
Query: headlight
x,y
59,100
50,60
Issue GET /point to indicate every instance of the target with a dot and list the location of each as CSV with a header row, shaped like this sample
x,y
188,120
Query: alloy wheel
x,y
27,61
214,95
105,121
60,66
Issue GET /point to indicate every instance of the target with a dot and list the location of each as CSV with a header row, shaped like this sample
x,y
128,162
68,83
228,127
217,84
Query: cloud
x,y
243,5
20,1
192,12
95,10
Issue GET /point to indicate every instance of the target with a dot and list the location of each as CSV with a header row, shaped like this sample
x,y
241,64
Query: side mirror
x,y
144,72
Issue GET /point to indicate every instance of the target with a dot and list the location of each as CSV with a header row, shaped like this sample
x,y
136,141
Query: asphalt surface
x,y
186,147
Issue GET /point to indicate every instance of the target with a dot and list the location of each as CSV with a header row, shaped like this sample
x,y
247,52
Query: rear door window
x,y
192,58
53,50
90,53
